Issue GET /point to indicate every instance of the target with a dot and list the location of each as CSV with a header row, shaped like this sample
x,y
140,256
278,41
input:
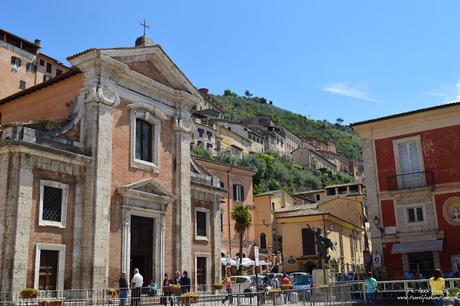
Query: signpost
x,y
256,267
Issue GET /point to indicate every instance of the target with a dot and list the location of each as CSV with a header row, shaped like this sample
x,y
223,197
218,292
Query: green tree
x,y
247,94
229,93
243,219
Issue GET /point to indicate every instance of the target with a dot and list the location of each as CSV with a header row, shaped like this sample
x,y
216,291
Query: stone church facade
x,y
97,179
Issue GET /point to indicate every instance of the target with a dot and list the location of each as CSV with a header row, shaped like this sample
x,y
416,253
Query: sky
x,y
326,59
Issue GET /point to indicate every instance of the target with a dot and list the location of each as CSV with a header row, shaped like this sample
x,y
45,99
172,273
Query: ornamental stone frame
x,y
152,116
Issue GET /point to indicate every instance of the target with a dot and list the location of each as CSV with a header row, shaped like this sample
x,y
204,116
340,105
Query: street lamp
x,y
377,223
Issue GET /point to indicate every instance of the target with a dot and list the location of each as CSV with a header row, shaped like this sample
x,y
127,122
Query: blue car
x,y
301,280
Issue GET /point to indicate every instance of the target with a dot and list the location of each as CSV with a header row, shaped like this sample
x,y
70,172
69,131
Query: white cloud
x,y
342,89
446,94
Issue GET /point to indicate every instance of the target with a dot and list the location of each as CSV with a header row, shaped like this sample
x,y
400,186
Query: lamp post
x,y
378,224
256,266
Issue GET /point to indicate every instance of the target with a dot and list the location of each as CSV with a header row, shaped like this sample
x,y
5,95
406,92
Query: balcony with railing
x,y
411,180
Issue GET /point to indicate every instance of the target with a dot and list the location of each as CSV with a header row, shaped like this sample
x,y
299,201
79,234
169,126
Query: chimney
x,y
37,42
203,91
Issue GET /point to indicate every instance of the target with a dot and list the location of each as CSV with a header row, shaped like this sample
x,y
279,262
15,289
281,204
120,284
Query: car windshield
x,y
301,279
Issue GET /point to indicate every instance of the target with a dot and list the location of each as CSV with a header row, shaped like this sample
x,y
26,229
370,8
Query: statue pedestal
x,y
322,277
322,290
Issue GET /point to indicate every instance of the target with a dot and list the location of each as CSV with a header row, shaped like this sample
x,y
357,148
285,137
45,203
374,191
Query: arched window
x,y
263,241
16,61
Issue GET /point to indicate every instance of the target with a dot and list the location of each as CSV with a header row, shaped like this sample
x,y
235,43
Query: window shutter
x,y
242,193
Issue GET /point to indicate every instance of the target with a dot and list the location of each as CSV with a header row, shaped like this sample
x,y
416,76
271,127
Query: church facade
x,y
97,177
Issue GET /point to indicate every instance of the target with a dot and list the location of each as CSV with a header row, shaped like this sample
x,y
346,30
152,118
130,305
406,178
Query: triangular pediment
x,y
153,63
147,188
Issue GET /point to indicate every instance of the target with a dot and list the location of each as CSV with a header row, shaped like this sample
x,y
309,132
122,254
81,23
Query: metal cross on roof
x,y
144,24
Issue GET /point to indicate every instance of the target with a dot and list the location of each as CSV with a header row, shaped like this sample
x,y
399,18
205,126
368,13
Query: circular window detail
x,y
451,210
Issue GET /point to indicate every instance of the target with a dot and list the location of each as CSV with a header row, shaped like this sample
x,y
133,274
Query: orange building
x,y
22,65
238,182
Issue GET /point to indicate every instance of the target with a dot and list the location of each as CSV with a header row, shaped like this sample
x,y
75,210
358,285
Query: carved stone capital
x,y
102,95
182,124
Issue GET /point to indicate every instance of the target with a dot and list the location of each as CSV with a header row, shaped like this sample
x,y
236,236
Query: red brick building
x,y
413,189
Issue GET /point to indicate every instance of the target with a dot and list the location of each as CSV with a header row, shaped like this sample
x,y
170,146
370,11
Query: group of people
x,y
437,286
137,282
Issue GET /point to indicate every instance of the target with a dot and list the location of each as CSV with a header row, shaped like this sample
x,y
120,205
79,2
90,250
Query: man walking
x,y
136,284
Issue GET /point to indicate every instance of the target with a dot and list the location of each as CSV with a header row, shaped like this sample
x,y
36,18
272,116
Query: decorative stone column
x,y
99,103
183,203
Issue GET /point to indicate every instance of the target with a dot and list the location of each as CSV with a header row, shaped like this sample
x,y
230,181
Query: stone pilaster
x,y
183,210
216,240
99,104
23,217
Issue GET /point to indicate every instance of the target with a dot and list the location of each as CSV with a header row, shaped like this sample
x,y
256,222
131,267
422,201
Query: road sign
x,y
376,260
256,255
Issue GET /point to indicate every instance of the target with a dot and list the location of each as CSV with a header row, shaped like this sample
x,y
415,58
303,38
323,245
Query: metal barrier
x,y
338,294
332,295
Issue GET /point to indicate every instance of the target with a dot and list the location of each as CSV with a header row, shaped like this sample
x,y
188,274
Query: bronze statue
x,y
322,243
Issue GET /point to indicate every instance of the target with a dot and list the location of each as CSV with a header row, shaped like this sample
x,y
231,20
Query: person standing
x,y
167,290
136,283
228,288
371,289
437,285
124,286
185,282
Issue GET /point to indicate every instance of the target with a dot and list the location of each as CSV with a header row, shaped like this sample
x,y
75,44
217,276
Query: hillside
x,y
237,108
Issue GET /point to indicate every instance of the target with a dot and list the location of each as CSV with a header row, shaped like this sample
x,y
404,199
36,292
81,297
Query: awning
x,y
417,246
228,262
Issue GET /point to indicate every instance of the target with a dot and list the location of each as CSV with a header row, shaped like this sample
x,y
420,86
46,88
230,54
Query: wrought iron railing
x,y
411,180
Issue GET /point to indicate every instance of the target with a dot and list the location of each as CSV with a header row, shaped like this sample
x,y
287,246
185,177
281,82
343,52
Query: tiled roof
x,y
427,109
302,212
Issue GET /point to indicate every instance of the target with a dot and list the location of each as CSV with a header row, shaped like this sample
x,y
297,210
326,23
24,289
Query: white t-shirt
x,y
137,280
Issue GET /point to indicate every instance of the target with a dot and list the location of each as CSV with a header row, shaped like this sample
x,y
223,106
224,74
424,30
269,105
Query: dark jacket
x,y
185,284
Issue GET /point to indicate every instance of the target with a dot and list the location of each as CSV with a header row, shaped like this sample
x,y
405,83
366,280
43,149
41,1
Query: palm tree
x,y
243,219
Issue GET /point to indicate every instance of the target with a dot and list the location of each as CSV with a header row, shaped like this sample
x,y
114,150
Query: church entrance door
x,y
142,247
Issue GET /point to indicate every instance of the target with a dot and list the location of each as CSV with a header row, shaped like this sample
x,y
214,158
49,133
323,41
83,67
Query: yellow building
x,y
236,144
342,220
264,221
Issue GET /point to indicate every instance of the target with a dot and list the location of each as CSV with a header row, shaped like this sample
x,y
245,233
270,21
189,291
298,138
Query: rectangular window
x,y
22,84
53,203
201,221
318,197
42,62
16,61
209,134
58,72
415,214
209,147
144,133
31,67
238,193
48,270
46,77
200,132
308,242
48,67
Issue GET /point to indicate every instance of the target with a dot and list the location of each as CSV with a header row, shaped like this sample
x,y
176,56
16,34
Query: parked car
x,y
244,283
301,280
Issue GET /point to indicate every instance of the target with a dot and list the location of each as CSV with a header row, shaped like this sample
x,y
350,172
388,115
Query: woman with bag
x,y
371,289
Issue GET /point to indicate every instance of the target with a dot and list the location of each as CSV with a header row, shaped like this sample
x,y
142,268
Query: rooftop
x,y
421,110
